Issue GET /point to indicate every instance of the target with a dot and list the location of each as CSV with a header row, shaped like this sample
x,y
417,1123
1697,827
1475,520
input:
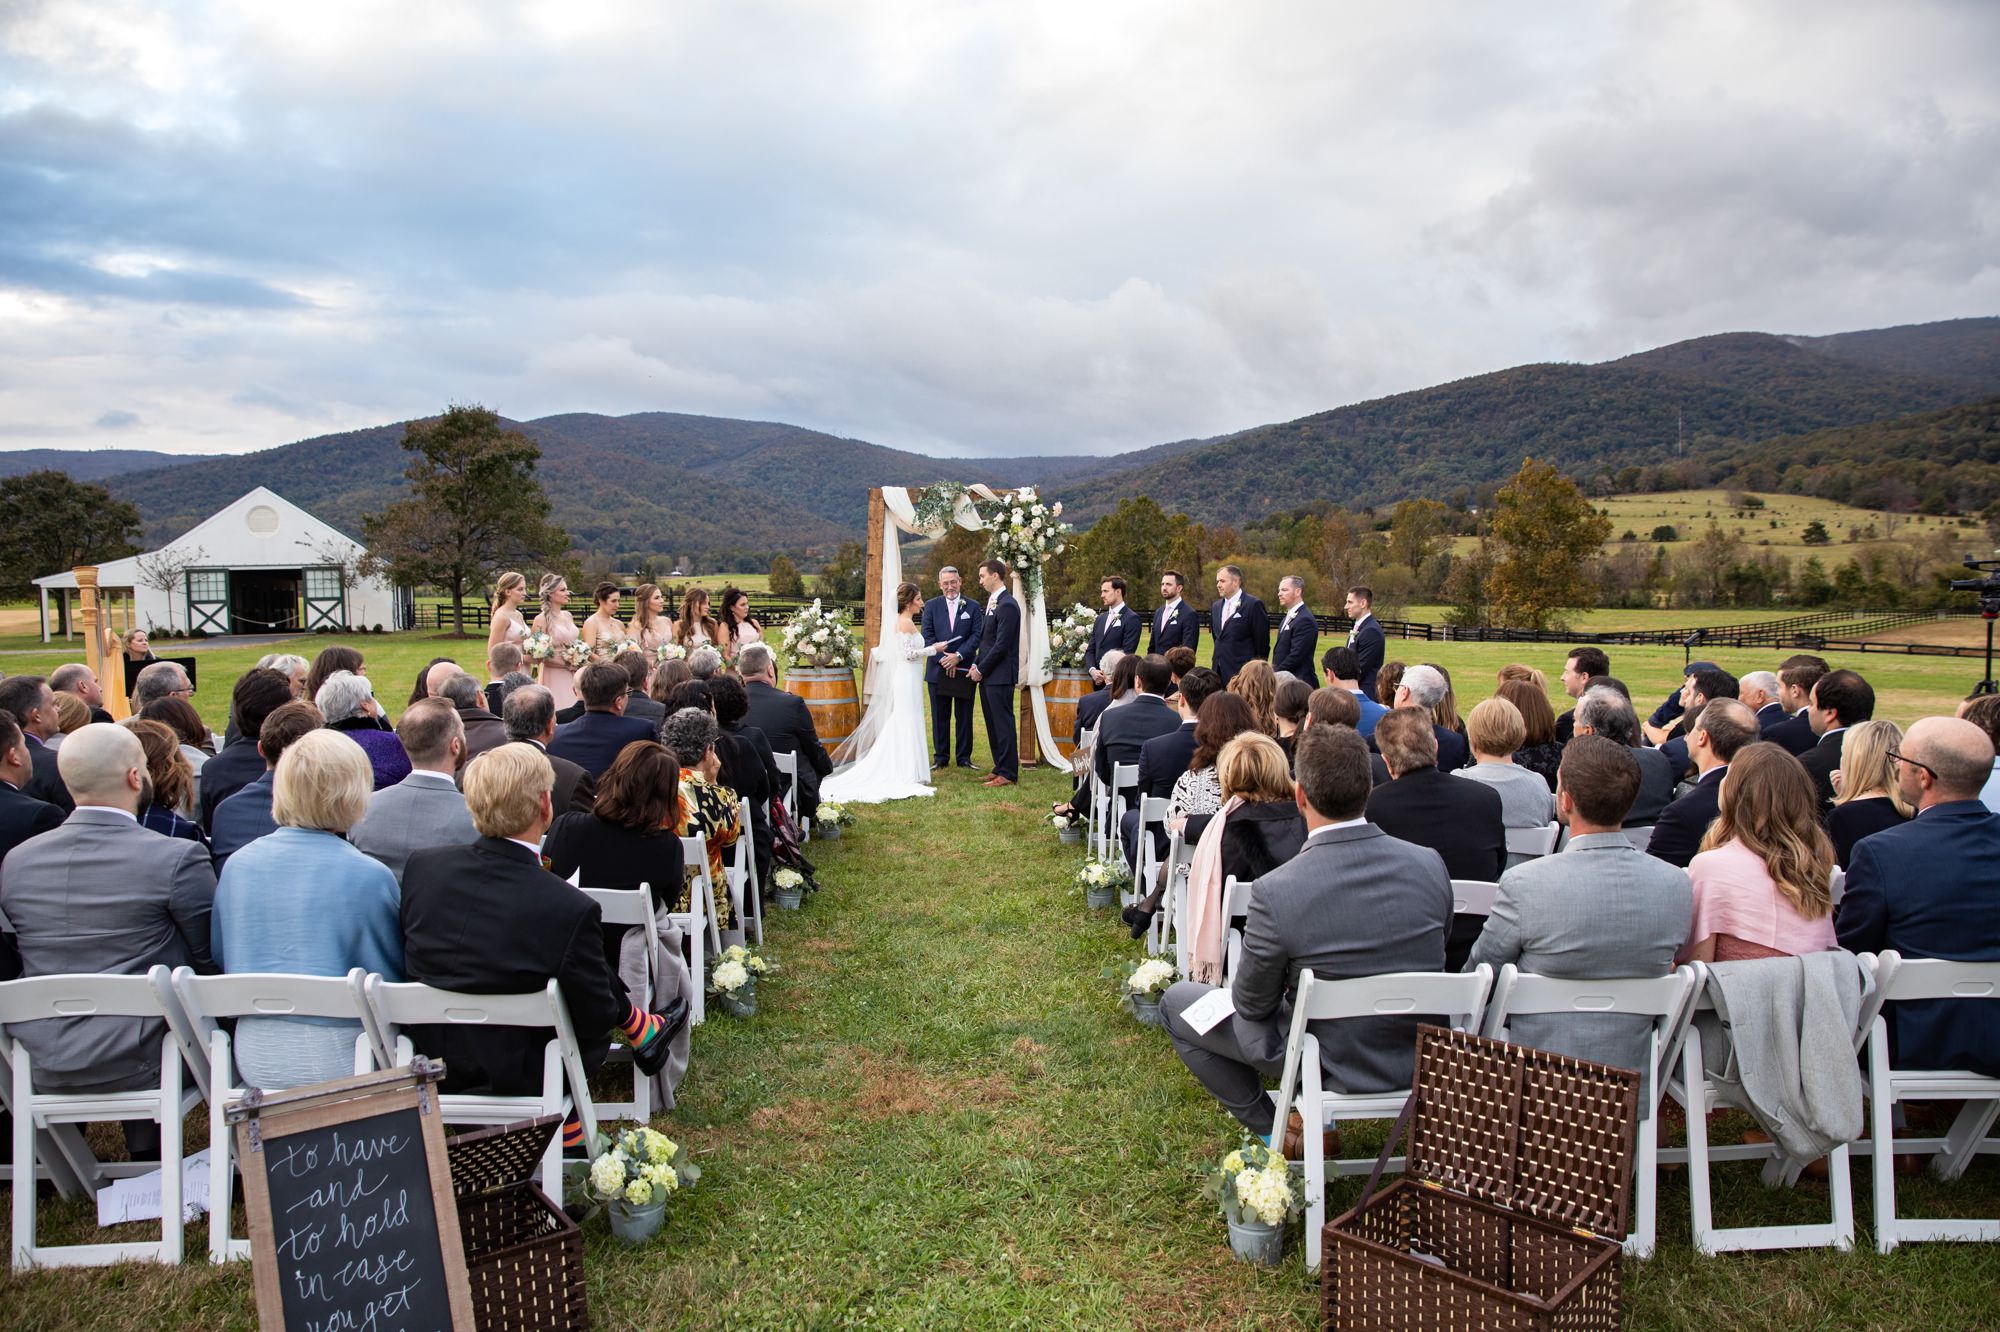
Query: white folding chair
x,y
1180,859
1640,837
47,997
1668,1000
697,925
1897,979
788,768
204,1003
1235,902
1457,998
393,1006
745,894
629,907
1152,813
1124,790
1472,897
1698,1097
1836,886
1095,797
694,853
1533,842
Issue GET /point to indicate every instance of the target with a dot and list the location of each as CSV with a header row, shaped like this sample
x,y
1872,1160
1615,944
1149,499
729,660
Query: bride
x,y
888,756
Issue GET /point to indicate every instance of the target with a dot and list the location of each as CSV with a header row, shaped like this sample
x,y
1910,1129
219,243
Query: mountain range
x,y
731,493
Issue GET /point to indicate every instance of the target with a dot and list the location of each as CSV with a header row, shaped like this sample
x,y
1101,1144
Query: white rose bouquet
x,y
1101,881
1069,636
575,654
820,638
667,652
1253,1183
754,964
642,1167
835,813
537,646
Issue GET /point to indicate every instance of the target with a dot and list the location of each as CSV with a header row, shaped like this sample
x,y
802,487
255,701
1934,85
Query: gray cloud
x,y
117,420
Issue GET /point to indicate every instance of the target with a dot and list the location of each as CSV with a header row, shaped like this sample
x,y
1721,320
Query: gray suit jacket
x,y
102,894
1354,902
423,810
1600,910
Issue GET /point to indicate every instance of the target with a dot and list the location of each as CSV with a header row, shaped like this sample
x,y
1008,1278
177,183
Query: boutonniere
x,y
547,864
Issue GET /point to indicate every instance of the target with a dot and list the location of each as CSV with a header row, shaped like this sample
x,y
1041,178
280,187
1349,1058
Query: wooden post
x,y
871,621
1027,741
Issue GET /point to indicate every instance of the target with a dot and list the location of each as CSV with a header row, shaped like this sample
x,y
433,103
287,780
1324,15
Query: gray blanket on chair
x,y
674,978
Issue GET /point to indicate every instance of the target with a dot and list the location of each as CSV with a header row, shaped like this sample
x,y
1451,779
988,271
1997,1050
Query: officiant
x,y
954,620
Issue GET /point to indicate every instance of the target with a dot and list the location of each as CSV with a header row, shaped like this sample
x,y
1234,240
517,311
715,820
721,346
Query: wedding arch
x,y
894,510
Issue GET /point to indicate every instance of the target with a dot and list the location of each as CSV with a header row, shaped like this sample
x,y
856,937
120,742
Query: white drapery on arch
x,y
899,516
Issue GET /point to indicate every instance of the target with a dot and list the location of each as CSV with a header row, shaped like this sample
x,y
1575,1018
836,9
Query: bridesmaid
x,y
603,631
554,621
698,627
739,626
650,625
508,627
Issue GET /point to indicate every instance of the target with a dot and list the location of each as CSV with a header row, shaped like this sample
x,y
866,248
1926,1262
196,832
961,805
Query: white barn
x,y
262,565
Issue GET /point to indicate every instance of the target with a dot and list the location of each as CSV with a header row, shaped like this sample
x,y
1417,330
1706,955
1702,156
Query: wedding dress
x,y
888,756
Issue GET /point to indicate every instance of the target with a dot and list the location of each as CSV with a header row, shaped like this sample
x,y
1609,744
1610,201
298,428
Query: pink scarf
x,y
1208,925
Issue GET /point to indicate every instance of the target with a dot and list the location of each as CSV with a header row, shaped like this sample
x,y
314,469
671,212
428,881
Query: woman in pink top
x,y
1762,881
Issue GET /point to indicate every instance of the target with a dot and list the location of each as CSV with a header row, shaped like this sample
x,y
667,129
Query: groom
x,y
954,620
994,670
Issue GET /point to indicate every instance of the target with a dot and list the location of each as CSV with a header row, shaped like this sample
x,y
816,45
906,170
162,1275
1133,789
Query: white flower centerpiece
x,y
1258,1197
831,817
642,1169
788,889
733,979
1069,637
1101,881
820,639
1140,985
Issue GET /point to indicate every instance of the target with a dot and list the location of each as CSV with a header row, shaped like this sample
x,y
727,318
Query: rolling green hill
x,y
91,464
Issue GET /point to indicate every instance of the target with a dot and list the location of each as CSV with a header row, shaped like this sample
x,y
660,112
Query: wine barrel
x,y
830,696
1070,684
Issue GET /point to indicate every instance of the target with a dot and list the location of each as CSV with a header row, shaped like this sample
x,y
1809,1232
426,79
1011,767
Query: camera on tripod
x,y
1988,587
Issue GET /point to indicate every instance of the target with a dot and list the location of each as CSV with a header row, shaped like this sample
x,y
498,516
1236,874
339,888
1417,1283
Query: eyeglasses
x,y
1894,757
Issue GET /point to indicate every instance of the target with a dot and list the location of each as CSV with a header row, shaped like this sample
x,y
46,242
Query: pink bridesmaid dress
x,y
557,679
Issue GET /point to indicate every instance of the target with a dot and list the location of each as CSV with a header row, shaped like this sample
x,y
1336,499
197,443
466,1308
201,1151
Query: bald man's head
x,y
435,677
103,764
1958,753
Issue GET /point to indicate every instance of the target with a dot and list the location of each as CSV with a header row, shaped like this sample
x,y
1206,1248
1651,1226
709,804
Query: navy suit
x,y
1931,888
1297,647
1453,752
1245,637
1681,826
1107,633
593,740
1820,762
1366,640
940,626
1162,760
999,667
1172,629
1795,733
47,783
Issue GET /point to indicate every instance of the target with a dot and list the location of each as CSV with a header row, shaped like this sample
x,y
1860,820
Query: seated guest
x,y
32,704
257,695
172,781
76,679
784,719
1330,705
348,703
486,918
1342,669
1197,793
638,668
748,765
425,809
705,808
1124,729
626,840
1720,730
670,674
1121,670
1869,800
1599,910
1164,758
1290,706
603,731
1763,880
1260,691
162,679
1796,677
21,817
531,720
503,660
101,895
1926,890
1660,726
1758,691
72,714
178,715
1258,829
704,662
1494,731
1703,684
1539,753
1605,711
1522,673
1582,668
1982,711
483,730
1353,902
1445,713
340,657
293,667
246,815
1839,700
304,902
1180,660
1461,821
430,680
1421,689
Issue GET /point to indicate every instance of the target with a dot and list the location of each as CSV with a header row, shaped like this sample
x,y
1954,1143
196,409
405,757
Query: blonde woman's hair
x,y
504,789
1257,685
1515,670
72,713
504,584
1495,726
1253,766
1769,805
1865,766
323,781
550,582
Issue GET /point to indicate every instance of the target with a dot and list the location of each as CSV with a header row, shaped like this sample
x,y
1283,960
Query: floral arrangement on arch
x,y
1253,1183
820,639
643,1165
1069,636
937,505
1024,532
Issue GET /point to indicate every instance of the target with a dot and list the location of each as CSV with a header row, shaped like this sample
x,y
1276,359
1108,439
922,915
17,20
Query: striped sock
x,y
641,1028
572,1133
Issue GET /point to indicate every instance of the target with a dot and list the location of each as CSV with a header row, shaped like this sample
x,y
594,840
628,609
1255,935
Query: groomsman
x,y
1366,636
1298,635
996,669
1238,623
952,619
1117,627
1174,624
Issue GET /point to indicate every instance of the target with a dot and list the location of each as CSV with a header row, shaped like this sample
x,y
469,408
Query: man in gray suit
x,y
1354,902
1600,910
425,808
101,894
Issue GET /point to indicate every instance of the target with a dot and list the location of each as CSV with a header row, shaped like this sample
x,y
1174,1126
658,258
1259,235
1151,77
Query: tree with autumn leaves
x,y
1534,558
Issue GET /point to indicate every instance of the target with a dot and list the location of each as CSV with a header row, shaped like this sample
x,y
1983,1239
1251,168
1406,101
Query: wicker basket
x,y
523,1255
1512,1210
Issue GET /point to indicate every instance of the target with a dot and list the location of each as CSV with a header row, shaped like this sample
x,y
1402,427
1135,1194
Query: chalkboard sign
x,y
353,1225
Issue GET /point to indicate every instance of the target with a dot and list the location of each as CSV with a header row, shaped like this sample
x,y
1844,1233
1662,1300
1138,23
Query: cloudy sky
x,y
1013,226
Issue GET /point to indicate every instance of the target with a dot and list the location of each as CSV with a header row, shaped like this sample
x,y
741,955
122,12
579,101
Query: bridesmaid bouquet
x,y
537,646
609,649
667,652
574,654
